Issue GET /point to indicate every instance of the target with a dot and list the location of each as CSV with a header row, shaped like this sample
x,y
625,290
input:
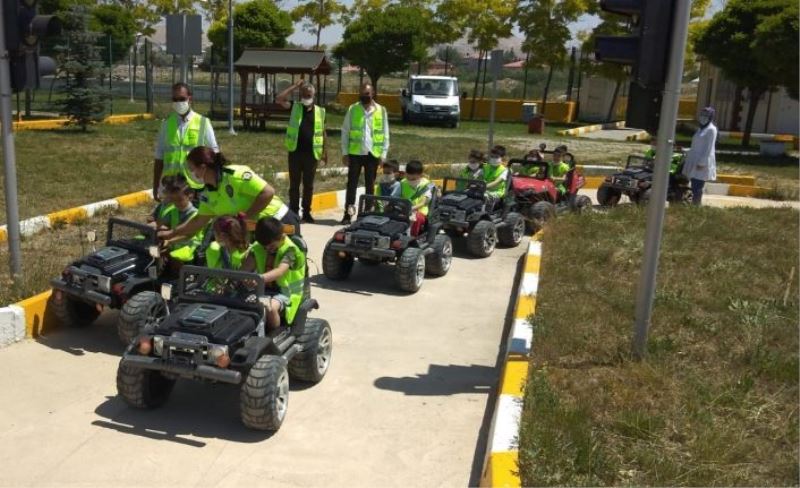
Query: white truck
x,y
431,99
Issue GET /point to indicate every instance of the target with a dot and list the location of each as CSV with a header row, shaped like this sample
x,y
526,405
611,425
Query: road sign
x,y
184,38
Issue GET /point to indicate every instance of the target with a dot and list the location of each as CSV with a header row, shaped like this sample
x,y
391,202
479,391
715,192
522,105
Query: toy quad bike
x,y
382,234
465,210
539,198
215,331
117,276
636,181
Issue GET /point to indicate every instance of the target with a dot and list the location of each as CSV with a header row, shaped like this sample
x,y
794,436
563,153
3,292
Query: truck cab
x,y
431,99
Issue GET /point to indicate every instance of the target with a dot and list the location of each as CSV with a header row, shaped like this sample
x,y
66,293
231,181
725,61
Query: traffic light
x,y
646,51
23,30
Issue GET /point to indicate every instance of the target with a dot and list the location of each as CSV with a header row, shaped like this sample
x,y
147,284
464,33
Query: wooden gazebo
x,y
266,62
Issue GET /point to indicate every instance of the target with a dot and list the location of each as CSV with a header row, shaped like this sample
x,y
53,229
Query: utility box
x,y
529,109
536,124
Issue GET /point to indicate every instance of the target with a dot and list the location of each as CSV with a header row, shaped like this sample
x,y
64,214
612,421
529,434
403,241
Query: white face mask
x,y
306,101
494,161
414,183
473,165
387,178
182,108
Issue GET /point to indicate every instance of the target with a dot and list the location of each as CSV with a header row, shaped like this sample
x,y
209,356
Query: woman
x,y
229,190
701,162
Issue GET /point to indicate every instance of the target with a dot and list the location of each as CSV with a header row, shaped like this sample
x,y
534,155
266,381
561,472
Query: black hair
x,y
205,156
179,85
175,184
268,229
392,163
414,167
499,150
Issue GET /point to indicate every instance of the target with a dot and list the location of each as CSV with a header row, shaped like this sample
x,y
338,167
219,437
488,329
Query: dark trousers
x,y
370,165
697,191
302,168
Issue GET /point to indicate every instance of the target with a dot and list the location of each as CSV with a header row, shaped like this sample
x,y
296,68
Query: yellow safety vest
x,y
176,148
358,123
293,129
415,195
291,283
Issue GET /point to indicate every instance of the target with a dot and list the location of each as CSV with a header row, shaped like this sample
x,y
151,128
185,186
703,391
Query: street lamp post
x,y
230,68
135,65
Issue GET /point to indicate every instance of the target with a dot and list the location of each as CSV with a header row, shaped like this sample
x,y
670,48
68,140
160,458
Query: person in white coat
x,y
701,160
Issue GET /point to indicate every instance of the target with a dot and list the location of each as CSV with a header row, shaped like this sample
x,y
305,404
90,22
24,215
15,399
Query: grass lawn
x,y
715,403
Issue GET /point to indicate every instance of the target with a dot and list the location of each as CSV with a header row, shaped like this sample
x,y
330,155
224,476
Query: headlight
x,y
219,356
158,344
104,284
382,242
454,109
416,107
348,237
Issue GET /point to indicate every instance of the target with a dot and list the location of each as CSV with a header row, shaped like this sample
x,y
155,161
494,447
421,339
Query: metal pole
x,y
9,158
655,209
148,76
184,77
230,68
130,71
135,62
110,78
497,55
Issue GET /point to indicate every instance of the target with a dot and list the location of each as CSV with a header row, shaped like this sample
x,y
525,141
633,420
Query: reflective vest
x,y
227,199
182,250
176,148
358,123
415,195
293,129
291,283
491,173
470,174
218,257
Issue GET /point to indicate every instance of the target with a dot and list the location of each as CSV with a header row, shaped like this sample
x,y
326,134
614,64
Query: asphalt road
x,y
404,402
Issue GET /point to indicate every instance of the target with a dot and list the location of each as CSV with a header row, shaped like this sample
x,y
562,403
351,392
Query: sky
x,y
332,35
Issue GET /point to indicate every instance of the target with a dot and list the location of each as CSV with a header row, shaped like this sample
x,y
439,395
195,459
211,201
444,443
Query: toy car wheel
x,y
143,388
582,202
264,397
541,212
72,312
438,263
482,239
138,313
410,270
607,196
312,362
334,266
510,234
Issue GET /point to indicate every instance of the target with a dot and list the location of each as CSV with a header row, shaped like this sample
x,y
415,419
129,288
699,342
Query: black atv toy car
x,y
636,182
113,277
465,210
382,234
215,330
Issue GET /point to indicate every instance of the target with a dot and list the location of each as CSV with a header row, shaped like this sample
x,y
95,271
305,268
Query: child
x,y
558,168
495,175
176,209
419,191
474,168
231,247
530,169
278,259
387,185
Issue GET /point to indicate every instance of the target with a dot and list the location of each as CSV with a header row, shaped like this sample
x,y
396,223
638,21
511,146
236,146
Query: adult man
x,y
701,160
182,131
365,144
306,142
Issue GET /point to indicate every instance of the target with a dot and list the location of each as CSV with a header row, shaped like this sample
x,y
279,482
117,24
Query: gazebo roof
x,y
292,61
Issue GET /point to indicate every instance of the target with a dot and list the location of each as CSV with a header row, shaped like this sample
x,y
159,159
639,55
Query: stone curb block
x,y
500,466
50,124
591,128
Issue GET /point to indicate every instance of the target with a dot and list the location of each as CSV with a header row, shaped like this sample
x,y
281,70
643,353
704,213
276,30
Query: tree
x,y
754,43
317,15
85,99
384,41
118,23
258,23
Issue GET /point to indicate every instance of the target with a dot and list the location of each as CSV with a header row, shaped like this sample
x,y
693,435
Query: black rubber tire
x,y
142,309
541,212
410,270
70,311
607,196
438,262
142,388
264,395
313,361
582,203
335,267
369,262
482,239
511,234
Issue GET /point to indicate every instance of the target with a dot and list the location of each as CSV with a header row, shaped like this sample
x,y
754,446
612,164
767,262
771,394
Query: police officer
x,y
182,131
365,144
229,190
306,142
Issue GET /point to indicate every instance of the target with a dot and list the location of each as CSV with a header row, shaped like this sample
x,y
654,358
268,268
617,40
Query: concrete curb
x,y
50,124
591,128
501,466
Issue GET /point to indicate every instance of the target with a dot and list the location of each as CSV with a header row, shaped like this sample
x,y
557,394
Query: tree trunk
x,y
613,105
319,31
737,109
546,89
373,78
475,89
483,84
525,78
754,97
446,59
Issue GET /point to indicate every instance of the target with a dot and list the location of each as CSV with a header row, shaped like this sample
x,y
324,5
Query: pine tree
x,y
83,68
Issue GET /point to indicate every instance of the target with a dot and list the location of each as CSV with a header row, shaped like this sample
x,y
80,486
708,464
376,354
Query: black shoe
x,y
307,218
345,219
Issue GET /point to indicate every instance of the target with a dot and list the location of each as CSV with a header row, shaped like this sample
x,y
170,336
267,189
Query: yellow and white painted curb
x,y
500,466
576,131
50,124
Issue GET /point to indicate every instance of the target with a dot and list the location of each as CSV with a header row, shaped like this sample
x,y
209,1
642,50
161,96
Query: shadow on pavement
x,y
98,337
364,280
329,222
450,379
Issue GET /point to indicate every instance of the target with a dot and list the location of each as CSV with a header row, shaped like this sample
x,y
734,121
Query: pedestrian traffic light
x,y
24,28
646,51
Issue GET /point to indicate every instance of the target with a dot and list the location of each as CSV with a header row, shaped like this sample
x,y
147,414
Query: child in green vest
x,y
283,265
388,184
495,174
419,191
175,209
474,168
231,246
558,168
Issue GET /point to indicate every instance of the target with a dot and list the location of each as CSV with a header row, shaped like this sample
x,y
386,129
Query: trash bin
x,y
536,124
529,109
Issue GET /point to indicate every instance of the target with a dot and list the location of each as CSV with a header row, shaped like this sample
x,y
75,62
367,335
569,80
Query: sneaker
x,y
307,218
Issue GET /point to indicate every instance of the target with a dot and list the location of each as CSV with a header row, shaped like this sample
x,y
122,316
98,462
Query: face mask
x,y
413,183
365,99
473,165
182,108
387,178
494,161
198,179
306,101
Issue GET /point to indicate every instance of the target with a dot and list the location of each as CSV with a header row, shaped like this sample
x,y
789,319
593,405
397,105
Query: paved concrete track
x,y
403,403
